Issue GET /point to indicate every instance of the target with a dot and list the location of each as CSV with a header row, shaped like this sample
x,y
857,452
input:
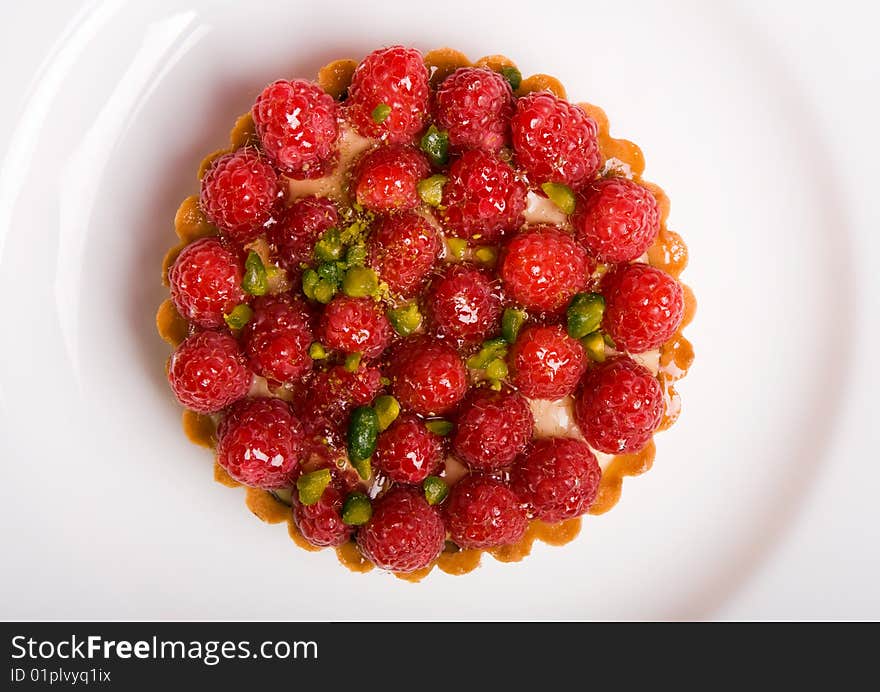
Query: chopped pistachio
x,y
496,370
431,189
561,195
330,271
609,342
438,426
239,316
380,113
406,319
486,254
511,322
363,428
329,248
594,345
435,144
584,314
317,351
512,75
457,247
355,256
387,409
324,291
254,281
435,490
357,510
311,486
360,282
495,385
353,361
310,281
363,467
492,349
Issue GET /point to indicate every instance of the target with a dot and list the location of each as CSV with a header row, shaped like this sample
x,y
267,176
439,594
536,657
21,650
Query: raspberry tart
x,y
426,310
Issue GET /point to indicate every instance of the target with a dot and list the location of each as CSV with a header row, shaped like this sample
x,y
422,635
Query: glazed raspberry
x,y
546,363
554,140
385,179
483,198
617,220
321,523
395,77
277,338
403,248
239,192
298,229
206,282
259,443
558,478
332,394
543,267
474,105
405,533
407,452
207,372
618,406
463,304
355,325
643,307
492,428
483,512
428,376
297,125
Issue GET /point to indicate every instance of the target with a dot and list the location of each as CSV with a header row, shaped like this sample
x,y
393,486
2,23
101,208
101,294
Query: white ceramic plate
x,y
109,512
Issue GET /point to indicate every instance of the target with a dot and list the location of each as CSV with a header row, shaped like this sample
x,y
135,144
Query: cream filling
x,y
333,185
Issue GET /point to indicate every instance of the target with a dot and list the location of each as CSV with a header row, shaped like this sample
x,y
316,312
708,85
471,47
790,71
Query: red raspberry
x,y
297,125
238,195
546,363
483,512
405,533
207,372
428,376
407,452
554,140
277,338
298,229
643,307
483,198
618,406
402,249
557,477
617,220
492,428
260,443
395,77
385,179
334,392
355,325
206,282
321,523
464,304
474,105
543,267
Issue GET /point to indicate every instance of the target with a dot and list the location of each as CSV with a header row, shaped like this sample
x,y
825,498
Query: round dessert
x,y
426,310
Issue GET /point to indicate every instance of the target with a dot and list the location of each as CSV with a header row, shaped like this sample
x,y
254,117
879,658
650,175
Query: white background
x,y
763,502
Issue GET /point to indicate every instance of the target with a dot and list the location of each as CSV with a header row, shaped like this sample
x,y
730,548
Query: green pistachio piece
x,y
435,490
311,486
594,345
457,247
438,426
492,349
486,255
561,195
255,280
356,510
239,316
431,189
496,370
405,320
363,429
360,282
511,322
584,314
380,113
435,144
512,75
387,409
317,351
353,361
329,248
